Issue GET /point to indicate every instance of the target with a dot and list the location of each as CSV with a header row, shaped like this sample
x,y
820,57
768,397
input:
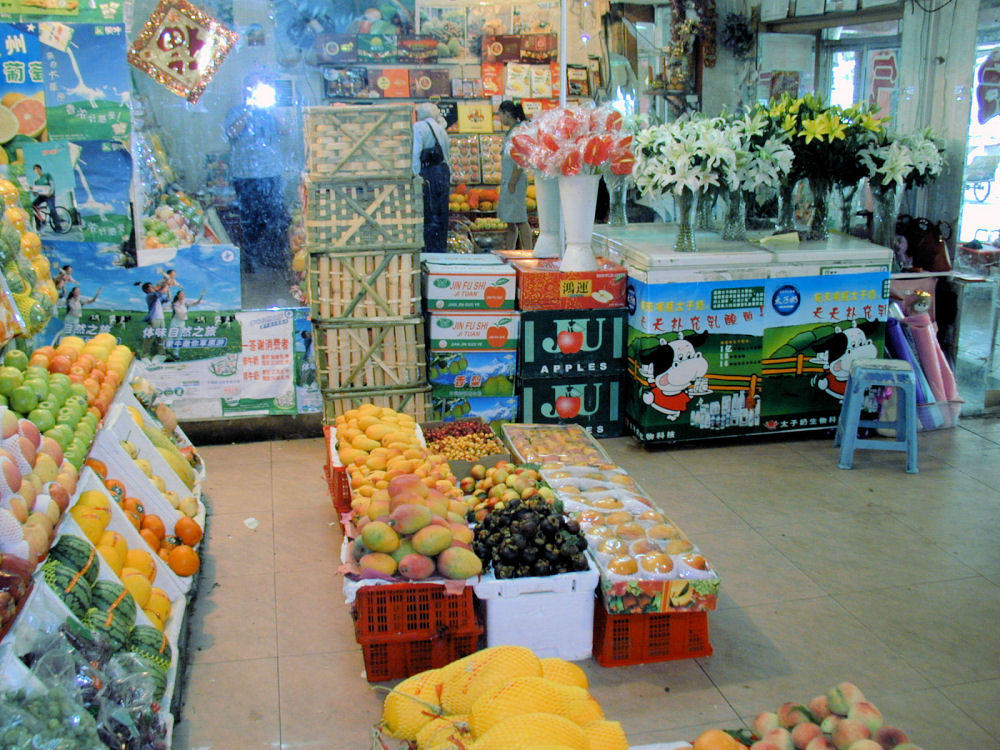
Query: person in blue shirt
x,y
431,158
255,165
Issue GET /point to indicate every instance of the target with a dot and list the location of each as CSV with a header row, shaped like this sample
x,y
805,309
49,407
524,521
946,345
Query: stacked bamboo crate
x,y
364,229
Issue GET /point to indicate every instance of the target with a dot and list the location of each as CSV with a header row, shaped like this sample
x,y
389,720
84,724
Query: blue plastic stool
x,y
879,372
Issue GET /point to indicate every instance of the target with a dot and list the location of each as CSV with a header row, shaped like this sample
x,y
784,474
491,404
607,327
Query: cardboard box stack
x,y
472,336
571,353
364,230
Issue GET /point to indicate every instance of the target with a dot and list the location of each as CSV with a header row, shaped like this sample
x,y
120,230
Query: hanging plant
x,y
737,35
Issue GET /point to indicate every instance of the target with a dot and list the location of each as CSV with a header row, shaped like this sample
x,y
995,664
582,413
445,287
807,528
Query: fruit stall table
x,y
743,338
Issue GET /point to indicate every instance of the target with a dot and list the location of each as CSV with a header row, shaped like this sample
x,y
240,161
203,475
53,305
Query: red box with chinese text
x,y
542,286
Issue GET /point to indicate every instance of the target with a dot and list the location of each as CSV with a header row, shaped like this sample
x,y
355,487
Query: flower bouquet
x,y
684,157
577,145
826,142
898,162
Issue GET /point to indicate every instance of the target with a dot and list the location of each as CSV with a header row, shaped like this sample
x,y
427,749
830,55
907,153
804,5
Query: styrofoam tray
x,y
490,587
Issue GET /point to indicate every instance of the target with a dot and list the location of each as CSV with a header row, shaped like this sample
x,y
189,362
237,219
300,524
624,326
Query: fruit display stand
x,y
99,583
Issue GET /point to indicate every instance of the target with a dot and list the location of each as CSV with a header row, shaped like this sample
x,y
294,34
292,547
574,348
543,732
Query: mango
x,y
379,536
409,518
405,548
459,563
378,561
416,567
461,532
431,540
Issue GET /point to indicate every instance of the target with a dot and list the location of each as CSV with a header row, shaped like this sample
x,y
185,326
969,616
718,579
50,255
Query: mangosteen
x,y
573,527
529,554
542,568
579,561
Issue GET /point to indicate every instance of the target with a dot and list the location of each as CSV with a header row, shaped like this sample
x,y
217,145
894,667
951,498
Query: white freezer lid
x,y
839,249
650,246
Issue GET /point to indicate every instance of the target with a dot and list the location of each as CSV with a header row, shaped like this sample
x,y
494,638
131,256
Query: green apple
x,y
60,377
38,372
10,378
42,418
75,456
90,419
3,400
39,386
62,434
58,389
15,358
67,416
78,389
23,399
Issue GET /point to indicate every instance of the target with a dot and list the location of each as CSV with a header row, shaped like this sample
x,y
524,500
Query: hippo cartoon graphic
x,y
675,371
839,352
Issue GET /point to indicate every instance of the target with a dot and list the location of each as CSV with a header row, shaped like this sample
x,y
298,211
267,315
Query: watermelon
x,y
77,554
151,643
109,596
69,585
112,626
156,673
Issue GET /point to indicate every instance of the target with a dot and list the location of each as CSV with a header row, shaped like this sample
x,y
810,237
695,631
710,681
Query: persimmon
x,y
188,531
99,468
116,488
132,503
183,560
154,523
151,539
134,518
164,554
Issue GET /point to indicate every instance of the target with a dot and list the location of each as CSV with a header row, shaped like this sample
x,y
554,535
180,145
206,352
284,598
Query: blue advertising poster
x,y
88,85
307,395
694,359
816,326
22,95
47,173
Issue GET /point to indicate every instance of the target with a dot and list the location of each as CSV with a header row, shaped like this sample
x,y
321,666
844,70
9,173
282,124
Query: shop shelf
x,y
370,285
395,657
369,214
351,142
413,610
620,640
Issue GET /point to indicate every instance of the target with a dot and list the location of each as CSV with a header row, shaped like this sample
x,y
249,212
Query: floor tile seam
x,y
967,682
963,712
902,520
792,600
910,584
719,690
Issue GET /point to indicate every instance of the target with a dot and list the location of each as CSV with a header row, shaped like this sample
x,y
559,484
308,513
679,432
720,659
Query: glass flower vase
x,y
685,222
847,193
735,227
885,209
786,208
705,211
617,193
819,225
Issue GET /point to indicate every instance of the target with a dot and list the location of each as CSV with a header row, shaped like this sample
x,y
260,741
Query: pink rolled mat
x,y
932,359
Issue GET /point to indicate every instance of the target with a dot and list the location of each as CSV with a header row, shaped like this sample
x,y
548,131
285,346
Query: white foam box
x,y
551,615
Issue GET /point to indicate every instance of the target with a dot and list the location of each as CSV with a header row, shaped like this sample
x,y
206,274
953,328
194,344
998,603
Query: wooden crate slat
x,y
351,357
367,285
372,214
358,141
413,401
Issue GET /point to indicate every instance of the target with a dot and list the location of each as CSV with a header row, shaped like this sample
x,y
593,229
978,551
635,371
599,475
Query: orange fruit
x,y
154,523
132,503
188,531
99,468
151,538
134,518
183,560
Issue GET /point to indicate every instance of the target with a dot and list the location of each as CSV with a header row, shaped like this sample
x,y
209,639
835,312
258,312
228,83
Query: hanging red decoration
x,y
181,47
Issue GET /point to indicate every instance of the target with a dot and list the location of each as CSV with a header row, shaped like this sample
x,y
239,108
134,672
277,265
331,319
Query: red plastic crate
x,y
336,477
620,640
412,610
394,657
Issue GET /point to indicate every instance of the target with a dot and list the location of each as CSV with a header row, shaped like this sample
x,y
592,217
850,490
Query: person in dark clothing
x,y
431,162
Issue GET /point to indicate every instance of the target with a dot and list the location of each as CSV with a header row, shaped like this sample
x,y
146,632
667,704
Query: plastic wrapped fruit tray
x,y
553,446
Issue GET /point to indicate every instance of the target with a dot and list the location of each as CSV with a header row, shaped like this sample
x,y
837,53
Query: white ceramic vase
x,y
578,198
548,244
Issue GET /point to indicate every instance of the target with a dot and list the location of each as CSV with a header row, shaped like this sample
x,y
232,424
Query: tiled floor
x,y
883,578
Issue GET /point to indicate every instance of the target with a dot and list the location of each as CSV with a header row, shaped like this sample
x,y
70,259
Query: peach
x,y
780,737
889,737
848,732
829,724
762,745
821,743
790,714
842,696
867,714
907,746
805,733
819,707
865,745
764,722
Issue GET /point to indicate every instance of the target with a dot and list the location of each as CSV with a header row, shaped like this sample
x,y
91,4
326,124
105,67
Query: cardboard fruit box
x,y
593,403
572,343
464,331
476,373
474,286
542,286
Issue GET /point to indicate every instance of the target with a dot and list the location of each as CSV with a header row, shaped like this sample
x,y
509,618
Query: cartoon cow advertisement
x,y
837,353
674,371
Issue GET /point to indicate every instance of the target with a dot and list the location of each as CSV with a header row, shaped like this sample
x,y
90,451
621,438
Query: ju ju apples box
x,y
593,403
572,343
472,286
542,286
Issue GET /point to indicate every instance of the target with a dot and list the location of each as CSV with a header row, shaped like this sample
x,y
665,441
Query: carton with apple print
x,y
572,343
595,403
469,287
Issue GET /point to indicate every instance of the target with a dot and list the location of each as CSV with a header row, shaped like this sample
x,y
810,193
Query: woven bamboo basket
x,y
361,141
413,401
374,357
373,285
373,214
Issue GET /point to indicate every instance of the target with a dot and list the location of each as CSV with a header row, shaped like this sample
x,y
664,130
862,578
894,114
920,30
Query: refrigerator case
x,y
740,339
